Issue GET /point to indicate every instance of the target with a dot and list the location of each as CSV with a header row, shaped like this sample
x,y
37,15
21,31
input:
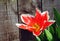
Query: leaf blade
x,y
48,35
56,16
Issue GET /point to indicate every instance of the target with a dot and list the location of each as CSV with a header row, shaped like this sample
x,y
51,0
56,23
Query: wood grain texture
x,y
26,7
49,5
9,16
8,29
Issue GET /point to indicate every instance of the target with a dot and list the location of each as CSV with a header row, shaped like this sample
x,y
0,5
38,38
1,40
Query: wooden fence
x,y
10,15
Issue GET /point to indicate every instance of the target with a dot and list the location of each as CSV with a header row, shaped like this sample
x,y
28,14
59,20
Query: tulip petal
x,y
37,33
45,15
22,26
26,18
29,28
38,14
17,24
50,22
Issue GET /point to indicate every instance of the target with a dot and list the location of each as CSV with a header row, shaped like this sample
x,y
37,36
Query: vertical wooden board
x,y
13,32
8,19
48,6
57,4
2,28
26,7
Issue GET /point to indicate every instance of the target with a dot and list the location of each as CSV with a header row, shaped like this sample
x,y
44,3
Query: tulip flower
x,y
35,24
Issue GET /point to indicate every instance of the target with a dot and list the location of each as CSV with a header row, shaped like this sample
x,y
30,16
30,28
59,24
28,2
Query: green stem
x,y
38,38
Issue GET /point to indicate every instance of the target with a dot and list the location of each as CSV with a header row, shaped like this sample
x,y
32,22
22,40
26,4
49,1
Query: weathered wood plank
x,y
8,19
57,4
49,4
26,7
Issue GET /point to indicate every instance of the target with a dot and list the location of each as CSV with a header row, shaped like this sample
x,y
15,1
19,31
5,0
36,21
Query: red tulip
x,y
35,24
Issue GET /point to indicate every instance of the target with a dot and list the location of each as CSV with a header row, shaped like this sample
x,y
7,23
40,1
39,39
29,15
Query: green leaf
x,y
50,28
48,35
38,38
43,37
57,16
58,32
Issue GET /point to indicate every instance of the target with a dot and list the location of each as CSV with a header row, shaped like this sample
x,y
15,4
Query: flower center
x,y
36,27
